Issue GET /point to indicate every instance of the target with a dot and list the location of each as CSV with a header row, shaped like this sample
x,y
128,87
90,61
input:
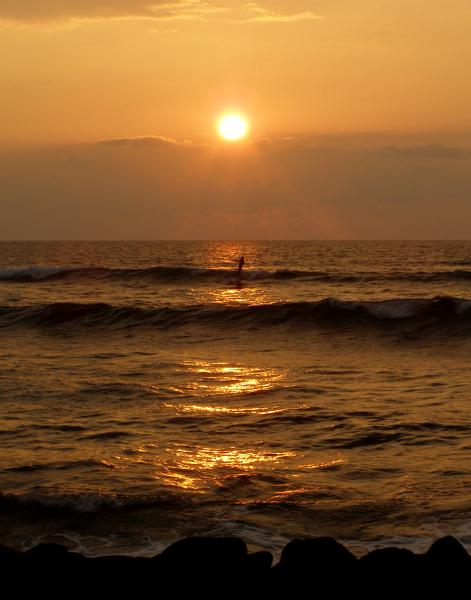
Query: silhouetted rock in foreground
x,y
222,567
46,553
321,562
322,553
448,553
205,553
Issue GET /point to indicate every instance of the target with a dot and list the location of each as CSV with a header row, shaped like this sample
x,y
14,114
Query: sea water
x,y
147,393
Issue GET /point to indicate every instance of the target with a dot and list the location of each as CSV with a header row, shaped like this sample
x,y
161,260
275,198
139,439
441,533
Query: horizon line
x,y
232,240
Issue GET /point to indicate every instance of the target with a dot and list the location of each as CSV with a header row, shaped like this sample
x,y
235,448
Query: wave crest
x,y
193,275
87,502
330,312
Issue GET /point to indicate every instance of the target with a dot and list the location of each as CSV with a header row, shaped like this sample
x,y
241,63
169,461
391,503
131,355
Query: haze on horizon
x,y
359,114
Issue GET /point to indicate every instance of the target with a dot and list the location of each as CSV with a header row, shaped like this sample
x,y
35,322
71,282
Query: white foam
x,y
37,273
464,307
392,309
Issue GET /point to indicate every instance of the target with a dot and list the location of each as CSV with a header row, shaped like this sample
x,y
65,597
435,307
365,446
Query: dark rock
x,y
447,568
253,578
320,563
8,554
205,551
44,570
204,565
389,559
211,567
259,562
117,577
316,554
447,553
46,552
390,573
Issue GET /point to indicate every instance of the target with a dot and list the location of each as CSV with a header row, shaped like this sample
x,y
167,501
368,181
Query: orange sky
x,y
91,69
108,109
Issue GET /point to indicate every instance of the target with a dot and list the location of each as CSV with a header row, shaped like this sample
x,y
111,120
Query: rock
x,y
319,563
45,571
215,567
259,562
316,554
205,566
46,552
391,573
8,554
448,553
117,577
389,559
206,552
447,568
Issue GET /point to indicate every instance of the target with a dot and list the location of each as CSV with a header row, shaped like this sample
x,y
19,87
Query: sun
x,y
233,127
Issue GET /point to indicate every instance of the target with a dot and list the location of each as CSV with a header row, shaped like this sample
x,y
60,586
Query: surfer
x,y
239,271
241,266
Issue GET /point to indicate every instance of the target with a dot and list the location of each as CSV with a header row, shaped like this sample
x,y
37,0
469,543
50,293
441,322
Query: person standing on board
x,y
241,266
239,271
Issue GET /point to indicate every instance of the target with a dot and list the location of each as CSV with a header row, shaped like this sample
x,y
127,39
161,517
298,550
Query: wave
x,y
89,502
35,273
168,274
330,312
157,274
458,263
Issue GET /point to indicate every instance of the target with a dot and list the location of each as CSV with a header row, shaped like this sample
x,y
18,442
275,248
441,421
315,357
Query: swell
x,y
88,502
157,274
429,314
182,274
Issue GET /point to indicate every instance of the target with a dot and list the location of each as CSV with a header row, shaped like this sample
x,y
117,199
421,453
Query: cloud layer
x,y
156,188
40,11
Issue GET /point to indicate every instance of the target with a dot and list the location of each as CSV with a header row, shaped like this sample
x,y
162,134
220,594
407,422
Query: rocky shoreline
x,y
222,567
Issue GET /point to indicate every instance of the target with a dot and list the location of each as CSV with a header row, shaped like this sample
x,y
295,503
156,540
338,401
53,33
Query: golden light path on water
x,y
195,468
246,410
200,468
245,294
221,379
220,388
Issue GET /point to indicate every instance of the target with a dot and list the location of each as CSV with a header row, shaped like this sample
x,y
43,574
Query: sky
x,y
359,115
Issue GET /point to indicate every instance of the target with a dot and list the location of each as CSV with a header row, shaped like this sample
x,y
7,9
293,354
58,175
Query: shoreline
x,y
202,564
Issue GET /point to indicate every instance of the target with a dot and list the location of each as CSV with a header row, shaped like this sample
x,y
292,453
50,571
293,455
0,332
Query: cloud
x,y
37,11
260,14
45,11
147,140
428,151
288,188
187,10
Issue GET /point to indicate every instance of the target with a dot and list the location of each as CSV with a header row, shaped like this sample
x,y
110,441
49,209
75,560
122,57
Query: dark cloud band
x,y
44,10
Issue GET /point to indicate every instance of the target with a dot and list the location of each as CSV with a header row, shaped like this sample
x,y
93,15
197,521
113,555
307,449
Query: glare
x,y
233,127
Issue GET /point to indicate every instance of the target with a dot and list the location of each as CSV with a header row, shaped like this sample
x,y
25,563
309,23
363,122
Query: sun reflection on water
x,y
214,379
203,470
245,410
215,389
196,468
240,295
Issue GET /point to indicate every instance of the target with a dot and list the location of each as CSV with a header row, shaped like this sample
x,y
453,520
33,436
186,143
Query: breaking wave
x,y
330,312
88,502
193,275
158,274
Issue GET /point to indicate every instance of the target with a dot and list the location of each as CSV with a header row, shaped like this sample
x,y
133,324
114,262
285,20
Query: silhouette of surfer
x,y
241,266
239,271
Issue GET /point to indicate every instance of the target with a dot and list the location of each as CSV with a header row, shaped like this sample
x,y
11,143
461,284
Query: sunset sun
x,y
233,127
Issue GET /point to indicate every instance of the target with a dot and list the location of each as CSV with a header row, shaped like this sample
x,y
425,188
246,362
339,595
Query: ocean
x,y
149,395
